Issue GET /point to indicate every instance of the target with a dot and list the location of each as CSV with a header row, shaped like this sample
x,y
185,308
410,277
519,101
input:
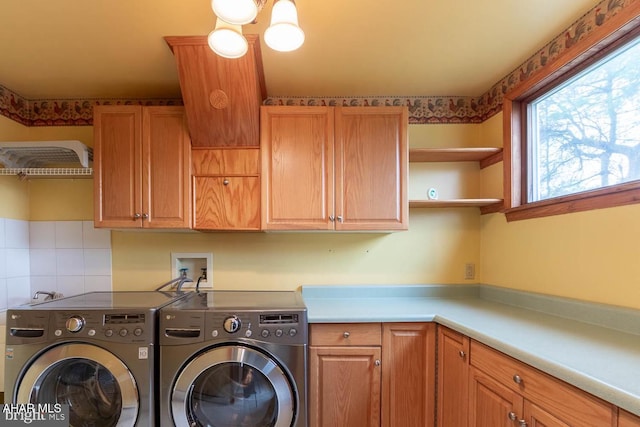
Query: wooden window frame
x,y
603,40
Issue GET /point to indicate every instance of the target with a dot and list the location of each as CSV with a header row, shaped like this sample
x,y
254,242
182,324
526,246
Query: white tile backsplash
x,y
18,291
42,235
70,285
69,257
97,262
43,262
17,263
16,234
69,234
95,238
69,262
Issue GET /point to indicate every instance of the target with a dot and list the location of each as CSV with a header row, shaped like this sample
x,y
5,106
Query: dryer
x,y
234,358
95,352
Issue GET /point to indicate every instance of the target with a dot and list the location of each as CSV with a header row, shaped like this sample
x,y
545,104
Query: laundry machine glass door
x,y
97,386
233,386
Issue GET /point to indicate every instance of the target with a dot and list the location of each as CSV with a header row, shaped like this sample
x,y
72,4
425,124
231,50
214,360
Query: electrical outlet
x,y
469,271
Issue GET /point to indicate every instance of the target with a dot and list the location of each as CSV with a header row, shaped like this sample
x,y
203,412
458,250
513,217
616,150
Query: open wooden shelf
x,y
485,156
485,205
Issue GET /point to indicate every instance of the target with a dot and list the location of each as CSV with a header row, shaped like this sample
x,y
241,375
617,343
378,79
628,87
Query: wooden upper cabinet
x,y
334,168
297,168
226,189
222,96
142,167
371,168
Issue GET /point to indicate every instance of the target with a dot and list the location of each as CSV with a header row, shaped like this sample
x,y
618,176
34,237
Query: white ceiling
x,y
115,48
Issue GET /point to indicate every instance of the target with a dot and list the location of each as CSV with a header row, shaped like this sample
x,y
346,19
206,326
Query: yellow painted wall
x,y
589,256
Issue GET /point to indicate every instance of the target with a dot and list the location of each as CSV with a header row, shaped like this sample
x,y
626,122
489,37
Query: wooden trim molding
x,y
422,109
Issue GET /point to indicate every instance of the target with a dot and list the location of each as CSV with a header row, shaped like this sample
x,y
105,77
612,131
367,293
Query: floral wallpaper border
x,y
422,109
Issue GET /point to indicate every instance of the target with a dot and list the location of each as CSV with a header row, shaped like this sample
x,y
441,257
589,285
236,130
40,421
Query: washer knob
x,y
278,333
265,333
231,324
75,324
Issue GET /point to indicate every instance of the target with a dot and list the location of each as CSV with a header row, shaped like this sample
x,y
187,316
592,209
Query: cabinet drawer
x,y
569,403
345,334
238,161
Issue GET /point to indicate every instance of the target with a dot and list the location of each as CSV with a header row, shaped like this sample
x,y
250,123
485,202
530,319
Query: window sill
x,y
618,195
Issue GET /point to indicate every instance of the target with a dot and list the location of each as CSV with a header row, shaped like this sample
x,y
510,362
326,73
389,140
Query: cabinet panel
x,y
491,403
371,168
117,163
453,378
626,419
243,161
165,168
347,334
344,386
538,417
297,165
408,374
227,203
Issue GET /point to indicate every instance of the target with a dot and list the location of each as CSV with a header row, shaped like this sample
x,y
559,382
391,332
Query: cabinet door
x,y
453,378
117,164
166,169
490,403
227,203
408,374
538,417
371,168
627,419
344,386
297,168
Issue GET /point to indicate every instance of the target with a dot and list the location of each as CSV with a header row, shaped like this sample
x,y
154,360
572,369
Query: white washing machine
x,y
95,352
234,359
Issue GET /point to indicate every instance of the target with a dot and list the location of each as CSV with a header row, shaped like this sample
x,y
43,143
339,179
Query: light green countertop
x,y
592,346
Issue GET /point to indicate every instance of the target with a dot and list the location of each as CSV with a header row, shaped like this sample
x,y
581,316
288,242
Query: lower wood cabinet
x,y
507,392
453,378
625,419
372,374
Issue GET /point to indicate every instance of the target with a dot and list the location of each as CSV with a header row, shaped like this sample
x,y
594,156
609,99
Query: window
x,y
584,134
573,133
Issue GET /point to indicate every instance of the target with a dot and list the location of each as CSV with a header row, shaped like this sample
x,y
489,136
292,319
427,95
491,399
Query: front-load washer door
x,y
98,387
233,386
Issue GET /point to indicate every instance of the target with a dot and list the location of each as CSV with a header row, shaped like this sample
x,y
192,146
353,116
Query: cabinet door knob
x,y
346,335
136,216
332,218
462,354
225,182
377,362
339,218
523,423
512,416
517,379
145,216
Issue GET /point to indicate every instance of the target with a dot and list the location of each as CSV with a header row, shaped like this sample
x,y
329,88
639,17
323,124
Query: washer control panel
x,y
122,327
282,327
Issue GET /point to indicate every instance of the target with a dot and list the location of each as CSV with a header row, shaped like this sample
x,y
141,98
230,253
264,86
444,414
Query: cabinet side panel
x,y
117,163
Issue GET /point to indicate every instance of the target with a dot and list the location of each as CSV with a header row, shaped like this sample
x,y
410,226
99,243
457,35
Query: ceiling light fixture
x,y
284,34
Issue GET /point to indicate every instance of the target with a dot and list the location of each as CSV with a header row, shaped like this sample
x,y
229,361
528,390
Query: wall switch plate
x,y
194,263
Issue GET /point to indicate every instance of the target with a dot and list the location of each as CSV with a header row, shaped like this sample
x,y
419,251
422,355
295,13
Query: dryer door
x,y
98,387
233,385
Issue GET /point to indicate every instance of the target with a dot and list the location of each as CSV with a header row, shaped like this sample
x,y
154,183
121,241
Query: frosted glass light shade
x,y
284,34
227,40
237,12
